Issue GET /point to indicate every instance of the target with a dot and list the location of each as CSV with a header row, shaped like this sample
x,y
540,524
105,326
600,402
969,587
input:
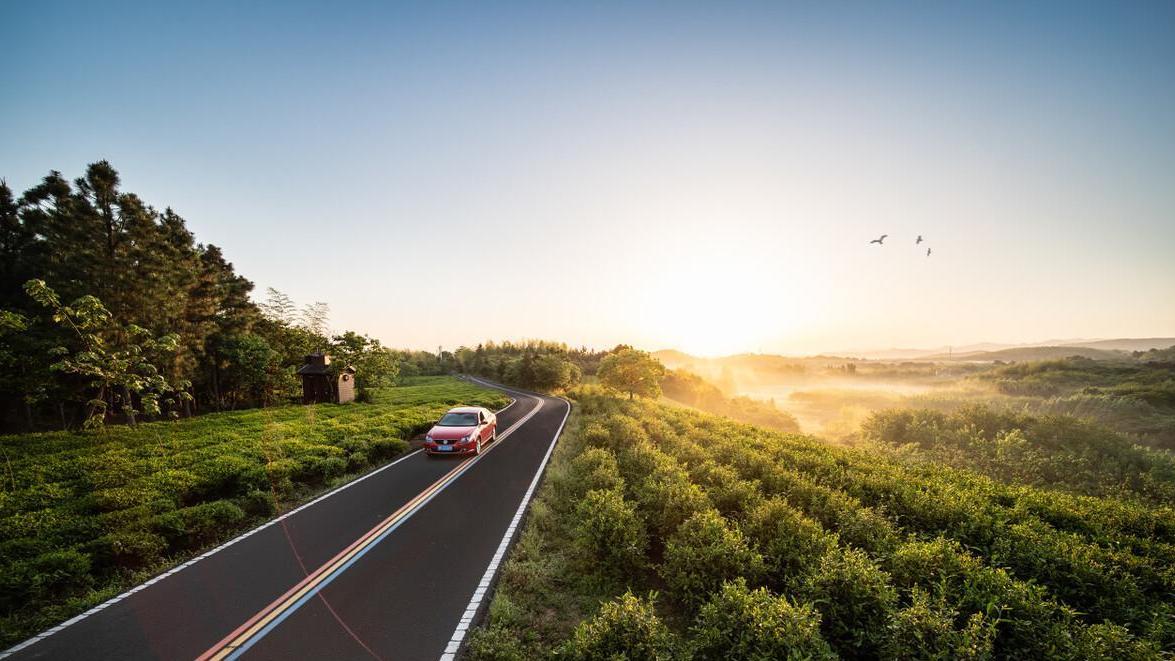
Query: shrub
x,y
199,523
230,475
757,626
926,630
386,448
704,553
667,498
623,432
856,601
130,549
495,644
259,503
49,575
594,468
731,495
1110,641
1027,623
626,628
609,529
791,543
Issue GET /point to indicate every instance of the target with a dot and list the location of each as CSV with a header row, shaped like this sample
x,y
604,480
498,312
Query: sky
x,y
705,177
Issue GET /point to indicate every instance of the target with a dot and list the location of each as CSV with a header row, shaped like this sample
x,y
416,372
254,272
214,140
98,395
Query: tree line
x,y
111,308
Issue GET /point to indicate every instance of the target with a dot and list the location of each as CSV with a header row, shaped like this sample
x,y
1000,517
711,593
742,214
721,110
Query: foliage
x,y
626,628
610,530
900,559
375,366
178,301
115,502
756,625
856,600
705,552
534,365
1020,448
792,543
926,630
114,360
632,371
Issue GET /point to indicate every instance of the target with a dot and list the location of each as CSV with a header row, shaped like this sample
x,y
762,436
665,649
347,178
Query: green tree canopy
x,y
632,371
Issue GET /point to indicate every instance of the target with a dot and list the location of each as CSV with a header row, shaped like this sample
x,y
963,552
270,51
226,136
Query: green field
x,y
84,515
668,533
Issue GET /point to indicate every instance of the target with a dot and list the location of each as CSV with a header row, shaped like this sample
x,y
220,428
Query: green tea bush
x,y
791,543
128,549
926,629
609,530
731,495
667,498
47,576
1111,641
594,468
755,625
856,600
705,552
626,628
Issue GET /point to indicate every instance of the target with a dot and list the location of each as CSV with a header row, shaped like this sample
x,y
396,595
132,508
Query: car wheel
x,y
494,435
478,447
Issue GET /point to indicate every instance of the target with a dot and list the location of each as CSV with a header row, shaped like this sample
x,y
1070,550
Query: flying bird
x,y
928,252
880,241
919,240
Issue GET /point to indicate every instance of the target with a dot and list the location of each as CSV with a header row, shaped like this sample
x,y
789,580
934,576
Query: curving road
x,y
392,566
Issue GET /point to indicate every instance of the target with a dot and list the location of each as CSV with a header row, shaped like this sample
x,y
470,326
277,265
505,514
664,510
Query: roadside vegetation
x,y
665,533
112,312
84,515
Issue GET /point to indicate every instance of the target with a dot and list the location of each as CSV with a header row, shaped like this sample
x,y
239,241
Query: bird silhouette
x,y
928,252
880,241
919,240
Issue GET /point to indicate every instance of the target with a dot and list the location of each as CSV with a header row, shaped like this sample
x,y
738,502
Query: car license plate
x,y
444,448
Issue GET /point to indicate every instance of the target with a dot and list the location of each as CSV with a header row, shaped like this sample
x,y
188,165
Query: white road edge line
x,y
178,568
450,653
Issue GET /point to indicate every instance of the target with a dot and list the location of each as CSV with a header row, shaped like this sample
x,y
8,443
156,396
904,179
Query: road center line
x,y
265,620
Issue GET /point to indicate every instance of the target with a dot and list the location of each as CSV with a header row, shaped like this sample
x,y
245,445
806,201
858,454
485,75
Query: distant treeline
x,y
551,366
144,311
533,364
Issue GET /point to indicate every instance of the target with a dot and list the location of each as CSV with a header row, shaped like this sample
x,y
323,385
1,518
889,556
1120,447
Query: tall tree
x,y
632,371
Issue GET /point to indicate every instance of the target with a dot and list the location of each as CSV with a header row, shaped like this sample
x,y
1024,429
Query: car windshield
x,y
458,420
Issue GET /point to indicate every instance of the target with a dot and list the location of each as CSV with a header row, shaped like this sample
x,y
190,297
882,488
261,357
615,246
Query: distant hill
x,y
1127,344
1093,349
1030,353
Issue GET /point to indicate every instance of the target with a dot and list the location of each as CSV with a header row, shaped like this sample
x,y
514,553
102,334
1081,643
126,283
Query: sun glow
x,y
710,309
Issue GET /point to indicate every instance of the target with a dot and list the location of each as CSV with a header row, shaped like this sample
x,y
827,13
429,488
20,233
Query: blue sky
x,y
669,174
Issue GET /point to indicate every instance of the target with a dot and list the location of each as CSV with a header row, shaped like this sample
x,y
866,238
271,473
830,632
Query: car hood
x,y
450,433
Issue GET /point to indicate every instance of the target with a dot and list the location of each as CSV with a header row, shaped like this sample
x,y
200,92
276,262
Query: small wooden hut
x,y
323,383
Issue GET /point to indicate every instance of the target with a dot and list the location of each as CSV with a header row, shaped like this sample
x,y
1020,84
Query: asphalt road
x,y
384,568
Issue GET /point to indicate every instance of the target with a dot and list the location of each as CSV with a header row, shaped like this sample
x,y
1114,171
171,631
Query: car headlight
x,y
428,437
466,437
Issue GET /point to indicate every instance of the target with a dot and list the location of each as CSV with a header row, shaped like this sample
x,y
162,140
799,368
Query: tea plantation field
x,y
664,533
84,515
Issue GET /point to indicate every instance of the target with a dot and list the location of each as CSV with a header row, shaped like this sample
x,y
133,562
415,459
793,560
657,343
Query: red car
x,y
463,430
